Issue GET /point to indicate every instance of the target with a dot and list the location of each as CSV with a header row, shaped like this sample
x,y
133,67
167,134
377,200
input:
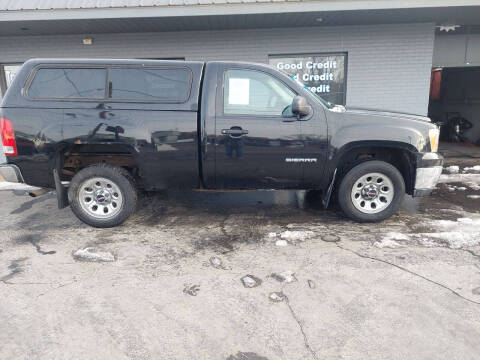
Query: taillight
x,y
8,137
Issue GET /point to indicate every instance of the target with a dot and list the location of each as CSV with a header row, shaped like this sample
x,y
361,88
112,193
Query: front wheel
x,y
102,195
371,191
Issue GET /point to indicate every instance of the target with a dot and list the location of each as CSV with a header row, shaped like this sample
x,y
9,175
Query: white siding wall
x,y
457,50
388,65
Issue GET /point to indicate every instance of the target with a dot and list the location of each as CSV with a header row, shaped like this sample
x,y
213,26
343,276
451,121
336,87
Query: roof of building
x,y
27,5
48,17
13,5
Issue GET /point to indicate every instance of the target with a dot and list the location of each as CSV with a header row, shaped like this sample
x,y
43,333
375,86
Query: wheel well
x,y
402,159
76,157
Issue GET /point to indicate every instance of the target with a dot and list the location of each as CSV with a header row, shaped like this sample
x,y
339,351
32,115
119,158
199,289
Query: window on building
x,y
149,84
8,72
68,83
322,74
249,92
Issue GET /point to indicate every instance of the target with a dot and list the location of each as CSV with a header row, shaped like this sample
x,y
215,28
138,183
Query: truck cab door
x,y
256,135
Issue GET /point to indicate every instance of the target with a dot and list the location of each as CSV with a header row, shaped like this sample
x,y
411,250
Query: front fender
x,y
397,136
350,137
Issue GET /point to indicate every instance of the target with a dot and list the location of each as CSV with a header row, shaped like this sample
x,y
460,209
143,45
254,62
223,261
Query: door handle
x,y
234,132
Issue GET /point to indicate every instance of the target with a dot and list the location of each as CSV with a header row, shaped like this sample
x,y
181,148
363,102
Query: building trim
x,y
240,8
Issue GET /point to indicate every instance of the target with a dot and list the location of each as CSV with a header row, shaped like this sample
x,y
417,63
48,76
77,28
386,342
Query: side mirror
x,y
300,106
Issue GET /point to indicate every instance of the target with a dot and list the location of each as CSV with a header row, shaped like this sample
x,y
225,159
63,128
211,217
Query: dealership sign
x,y
323,74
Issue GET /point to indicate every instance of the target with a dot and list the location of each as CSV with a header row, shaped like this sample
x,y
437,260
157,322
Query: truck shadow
x,y
224,220
279,205
153,207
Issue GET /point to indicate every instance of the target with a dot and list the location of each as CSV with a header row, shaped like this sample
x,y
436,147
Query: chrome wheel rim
x,y
372,193
100,198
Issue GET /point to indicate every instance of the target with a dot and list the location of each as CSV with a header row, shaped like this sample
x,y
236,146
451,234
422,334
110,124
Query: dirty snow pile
x,y
296,235
290,236
250,281
455,188
471,180
464,232
5,185
285,276
391,240
453,169
455,234
90,254
475,168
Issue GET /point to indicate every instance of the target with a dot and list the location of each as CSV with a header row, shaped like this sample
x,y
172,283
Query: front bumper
x,y
429,169
11,173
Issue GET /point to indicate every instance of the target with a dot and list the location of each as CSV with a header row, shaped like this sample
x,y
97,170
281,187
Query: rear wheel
x,y
102,195
371,191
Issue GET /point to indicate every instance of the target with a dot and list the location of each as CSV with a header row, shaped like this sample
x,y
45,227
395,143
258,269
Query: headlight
x,y
434,135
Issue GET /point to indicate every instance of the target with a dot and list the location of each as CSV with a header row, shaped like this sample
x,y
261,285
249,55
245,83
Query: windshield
x,y
325,103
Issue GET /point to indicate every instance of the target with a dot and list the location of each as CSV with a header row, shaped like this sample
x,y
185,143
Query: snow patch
x,y
285,276
453,169
455,188
465,220
473,196
390,240
464,232
5,185
475,168
277,296
281,243
89,254
471,180
251,281
296,235
217,263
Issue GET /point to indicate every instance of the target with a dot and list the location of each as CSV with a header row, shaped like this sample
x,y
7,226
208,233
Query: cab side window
x,y
251,92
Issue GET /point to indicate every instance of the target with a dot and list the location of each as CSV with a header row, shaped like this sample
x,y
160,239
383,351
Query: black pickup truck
x,y
109,128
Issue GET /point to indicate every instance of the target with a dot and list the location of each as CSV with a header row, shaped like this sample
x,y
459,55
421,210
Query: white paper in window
x,y
238,91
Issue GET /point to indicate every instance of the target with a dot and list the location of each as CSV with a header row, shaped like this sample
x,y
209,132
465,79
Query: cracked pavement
x,y
174,289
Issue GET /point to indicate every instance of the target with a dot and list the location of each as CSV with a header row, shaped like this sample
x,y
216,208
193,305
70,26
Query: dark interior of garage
x,y
455,104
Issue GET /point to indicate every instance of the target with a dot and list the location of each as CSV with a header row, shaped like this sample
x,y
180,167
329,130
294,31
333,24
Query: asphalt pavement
x,y
241,276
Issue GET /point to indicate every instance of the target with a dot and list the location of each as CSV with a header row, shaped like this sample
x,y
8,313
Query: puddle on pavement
x,y
28,204
34,240
15,267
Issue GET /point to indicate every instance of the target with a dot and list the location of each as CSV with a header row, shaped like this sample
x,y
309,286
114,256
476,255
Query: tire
x,y
102,195
371,191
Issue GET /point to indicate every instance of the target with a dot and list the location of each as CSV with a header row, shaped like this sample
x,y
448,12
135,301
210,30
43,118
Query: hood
x,y
388,113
